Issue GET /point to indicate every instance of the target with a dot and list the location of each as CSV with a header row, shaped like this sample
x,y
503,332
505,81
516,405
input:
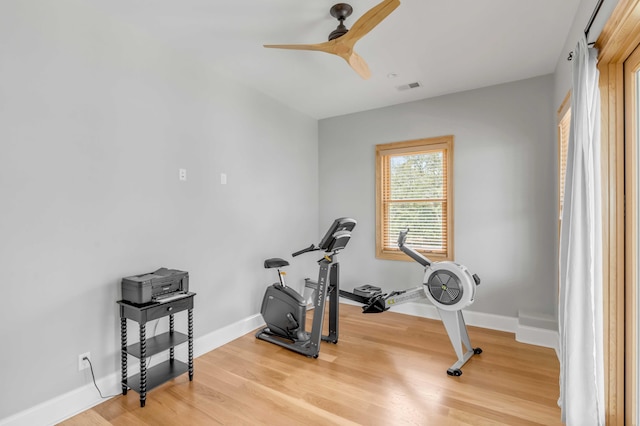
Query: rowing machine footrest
x,y
375,306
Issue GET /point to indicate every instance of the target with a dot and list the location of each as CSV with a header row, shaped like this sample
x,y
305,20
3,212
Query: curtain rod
x,y
589,24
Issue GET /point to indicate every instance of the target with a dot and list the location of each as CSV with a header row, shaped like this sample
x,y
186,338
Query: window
x,y
414,189
618,39
632,235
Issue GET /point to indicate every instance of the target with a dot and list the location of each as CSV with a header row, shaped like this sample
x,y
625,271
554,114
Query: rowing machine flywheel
x,y
449,286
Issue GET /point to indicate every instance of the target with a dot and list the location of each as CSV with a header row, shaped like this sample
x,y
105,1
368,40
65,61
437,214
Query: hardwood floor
x,y
387,369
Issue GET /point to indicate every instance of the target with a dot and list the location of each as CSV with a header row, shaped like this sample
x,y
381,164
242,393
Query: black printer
x,y
157,286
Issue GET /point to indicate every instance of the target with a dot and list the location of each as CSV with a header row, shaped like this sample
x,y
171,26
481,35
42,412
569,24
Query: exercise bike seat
x,y
275,262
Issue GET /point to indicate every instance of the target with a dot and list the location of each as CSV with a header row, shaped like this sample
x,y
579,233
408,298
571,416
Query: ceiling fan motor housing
x,y
449,285
340,11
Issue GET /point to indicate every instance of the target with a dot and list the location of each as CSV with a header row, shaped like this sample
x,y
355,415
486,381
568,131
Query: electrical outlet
x,y
82,363
182,174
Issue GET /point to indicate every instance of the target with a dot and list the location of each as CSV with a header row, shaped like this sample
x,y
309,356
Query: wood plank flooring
x,y
387,369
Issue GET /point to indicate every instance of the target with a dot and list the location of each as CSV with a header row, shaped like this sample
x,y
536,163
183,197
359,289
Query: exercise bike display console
x,y
284,310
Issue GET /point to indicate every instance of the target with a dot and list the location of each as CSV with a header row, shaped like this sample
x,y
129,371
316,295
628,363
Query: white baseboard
x,y
81,399
538,337
78,400
525,334
538,329
222,336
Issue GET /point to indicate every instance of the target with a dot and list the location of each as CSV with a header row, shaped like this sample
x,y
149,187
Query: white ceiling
x,y
446,45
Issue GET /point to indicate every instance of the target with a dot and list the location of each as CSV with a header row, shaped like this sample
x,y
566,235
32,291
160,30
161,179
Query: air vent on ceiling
x,y
414,85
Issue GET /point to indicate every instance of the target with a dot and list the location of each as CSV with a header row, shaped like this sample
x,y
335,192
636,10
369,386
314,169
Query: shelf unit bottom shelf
x,y
157,375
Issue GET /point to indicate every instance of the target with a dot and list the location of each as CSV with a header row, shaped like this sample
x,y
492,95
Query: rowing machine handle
x,y
312,247
411,252
402,237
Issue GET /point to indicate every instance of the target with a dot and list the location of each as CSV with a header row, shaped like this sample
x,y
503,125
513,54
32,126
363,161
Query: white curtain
x,y
580,305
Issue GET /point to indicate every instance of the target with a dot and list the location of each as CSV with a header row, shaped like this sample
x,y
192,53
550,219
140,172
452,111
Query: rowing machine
x,y
449,286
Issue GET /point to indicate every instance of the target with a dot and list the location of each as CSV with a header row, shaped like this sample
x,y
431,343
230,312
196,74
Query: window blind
x,y
415,196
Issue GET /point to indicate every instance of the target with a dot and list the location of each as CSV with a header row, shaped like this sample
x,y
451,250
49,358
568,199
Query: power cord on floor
x,y
93,377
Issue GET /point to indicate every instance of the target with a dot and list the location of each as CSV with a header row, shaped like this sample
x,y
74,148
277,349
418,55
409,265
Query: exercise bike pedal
x,y
293,324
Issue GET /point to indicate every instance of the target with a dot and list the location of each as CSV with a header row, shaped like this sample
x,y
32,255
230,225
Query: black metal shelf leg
x,y
171,324
123,353
190,336
143,364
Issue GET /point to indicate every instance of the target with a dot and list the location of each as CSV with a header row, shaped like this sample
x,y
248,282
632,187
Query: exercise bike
x,y
449,286
284,310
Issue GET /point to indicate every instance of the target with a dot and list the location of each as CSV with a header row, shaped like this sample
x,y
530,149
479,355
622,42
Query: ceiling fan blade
x,y
359,65
343,46
320,47
370,20
333,47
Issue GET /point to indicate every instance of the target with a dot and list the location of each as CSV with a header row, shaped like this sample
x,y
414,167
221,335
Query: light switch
x,y
223,178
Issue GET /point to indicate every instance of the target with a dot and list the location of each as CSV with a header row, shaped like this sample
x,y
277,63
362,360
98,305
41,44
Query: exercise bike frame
x,y
328,285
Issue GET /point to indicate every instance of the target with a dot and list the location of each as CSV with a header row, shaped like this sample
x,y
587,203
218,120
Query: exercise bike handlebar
x,y
312,247
335,239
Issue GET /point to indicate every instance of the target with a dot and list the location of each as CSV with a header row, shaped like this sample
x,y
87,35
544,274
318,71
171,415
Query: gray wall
x,y
95,121
504,193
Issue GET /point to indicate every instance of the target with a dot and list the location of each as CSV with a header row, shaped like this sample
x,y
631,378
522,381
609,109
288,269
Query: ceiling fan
x,y
342,40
